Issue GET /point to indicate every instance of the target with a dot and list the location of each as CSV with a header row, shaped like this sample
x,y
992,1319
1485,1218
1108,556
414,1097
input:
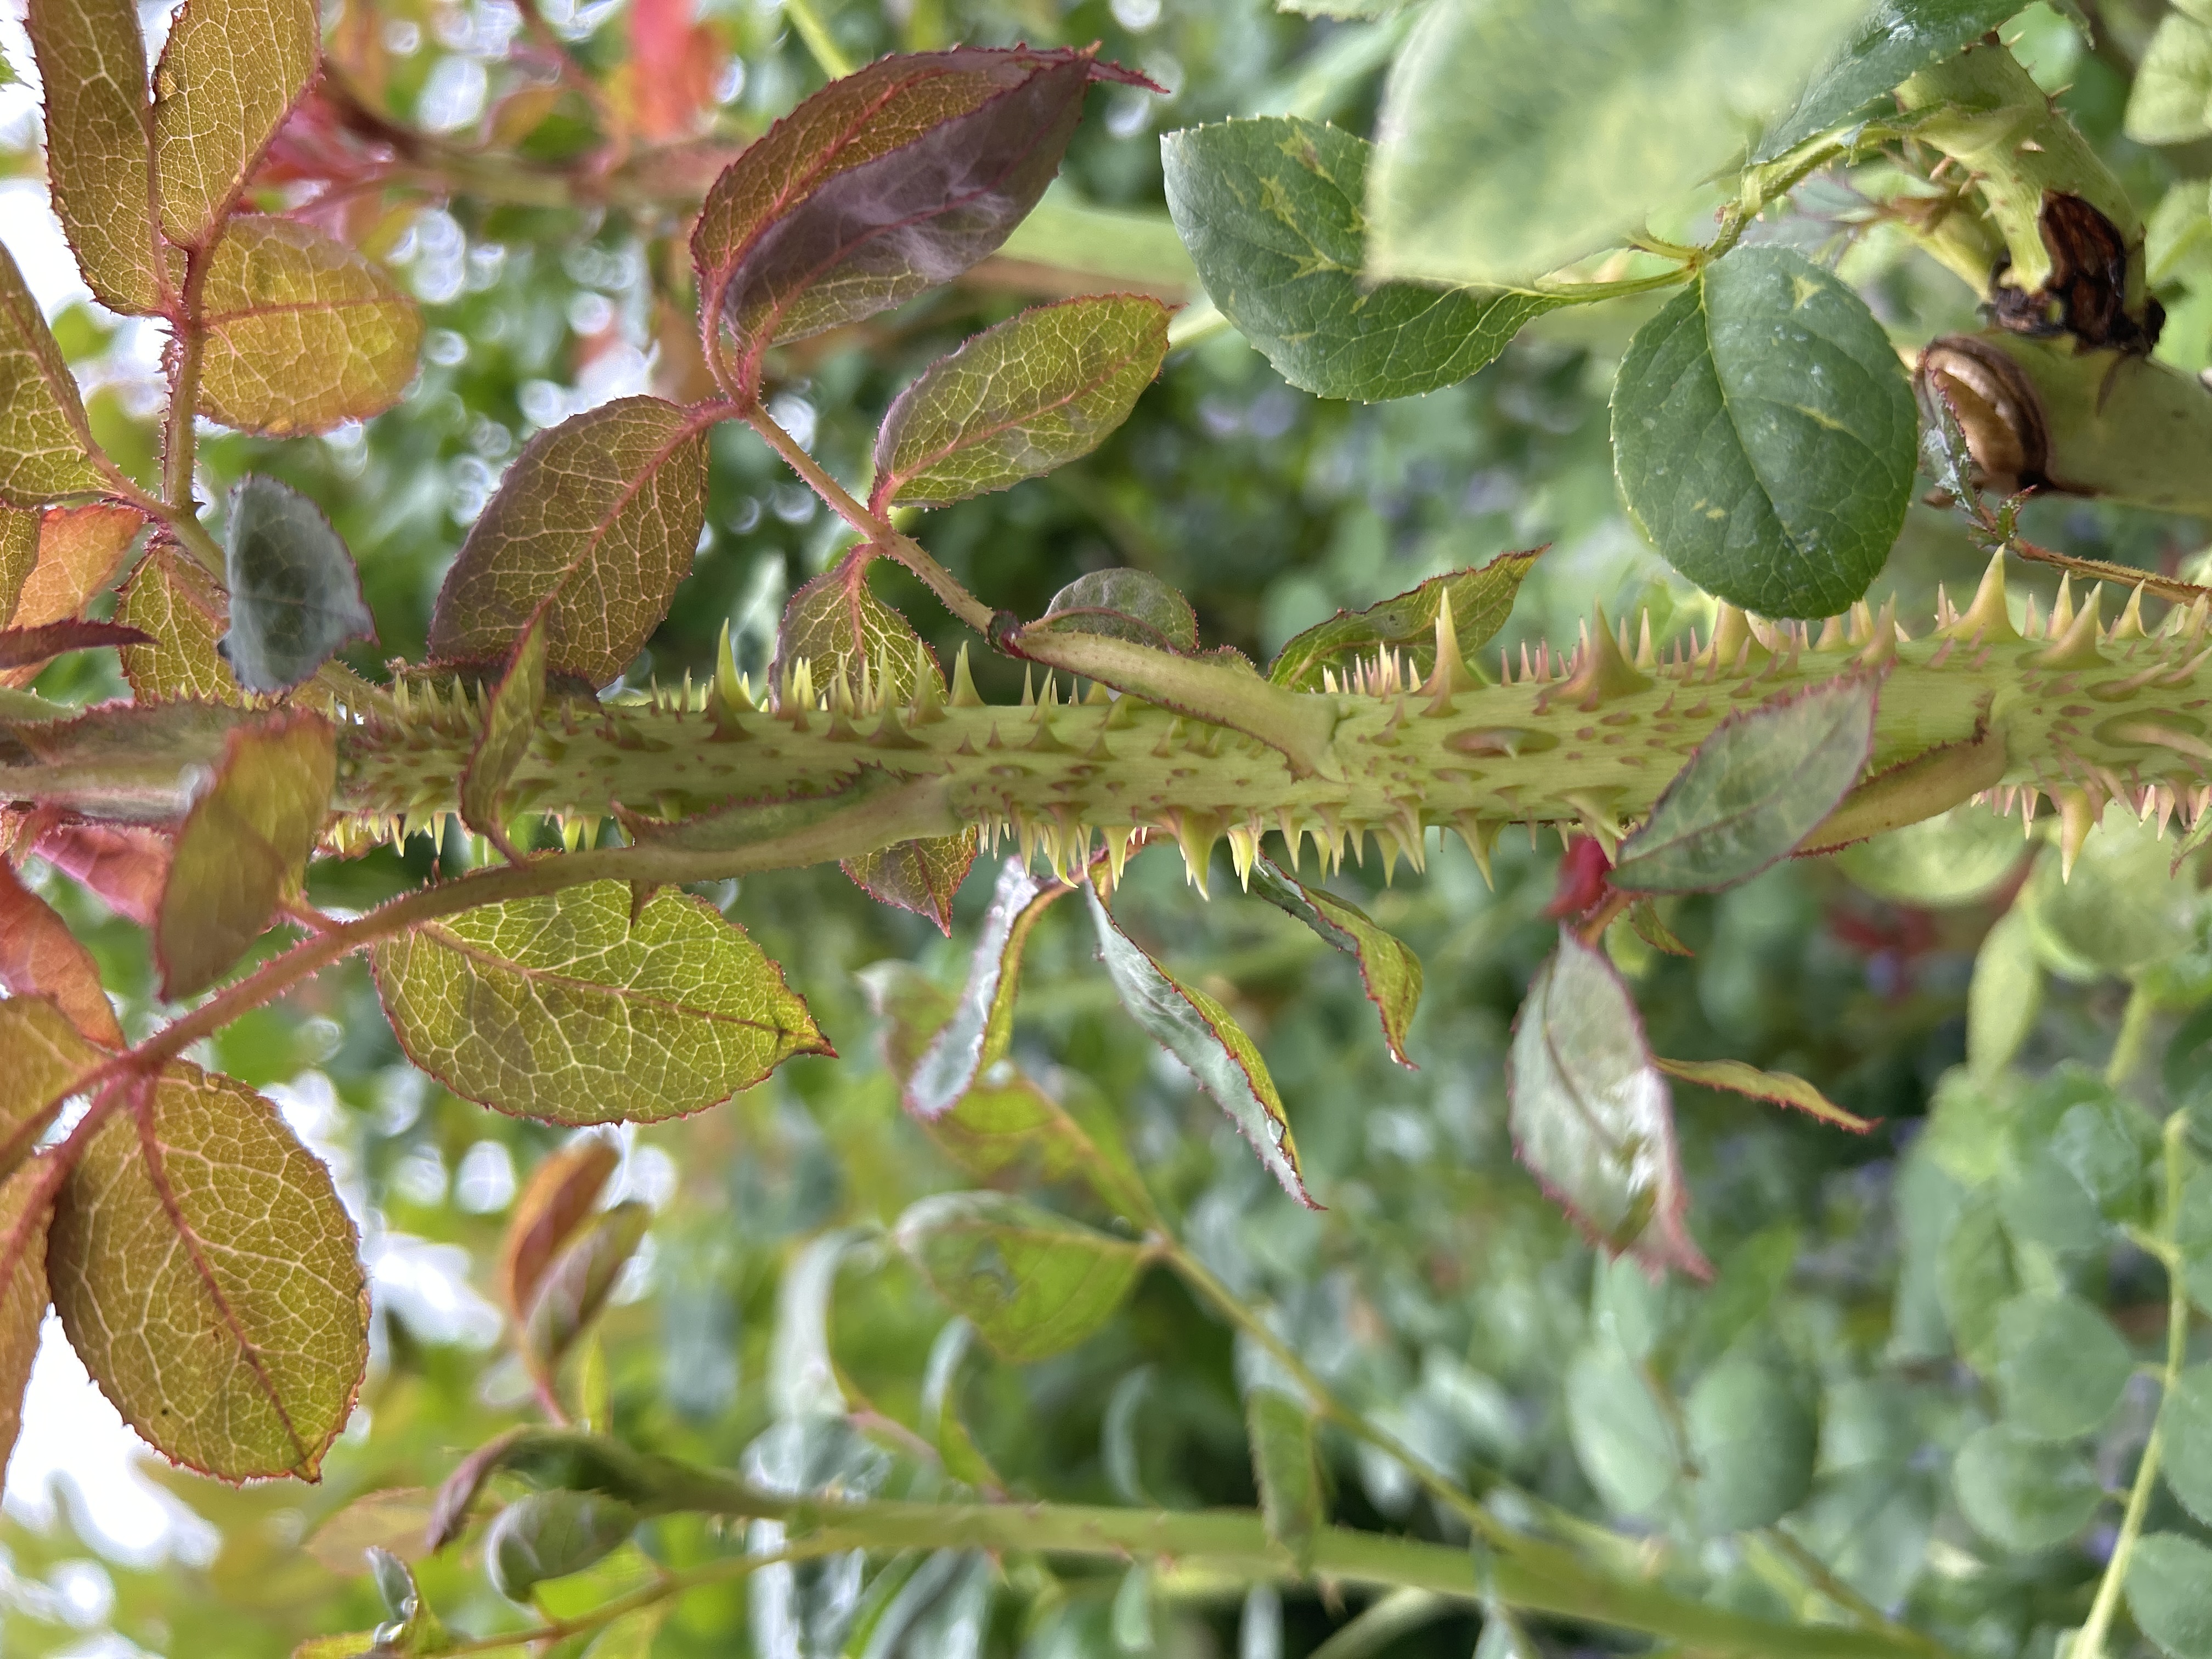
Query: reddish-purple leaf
x,y
28,647
1591,1114
982,1019
124,866
881,185
80,549
39,956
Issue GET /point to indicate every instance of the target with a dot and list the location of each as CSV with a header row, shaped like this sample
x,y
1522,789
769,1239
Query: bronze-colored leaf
x,y
126,866
560,1194
92,61
45,444
79,550
302,331
226,81
578,1281
47,1058
34,648
171,599
205,1273
921,875
39,956
244,844
596,522
25,1212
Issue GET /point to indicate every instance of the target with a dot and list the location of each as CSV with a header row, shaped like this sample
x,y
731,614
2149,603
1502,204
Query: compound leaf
x,y
206,1274
1481,599
1271,210
981,1020
243,846
597,521
1756,788
2170,1594
303,332
1387,966
1522,135
1782,1088
1031,1282
882,185
294,591
1764,436
1034,393
226,81
45,445
39,956
1210,1044
92,63
561,1008
1591,1114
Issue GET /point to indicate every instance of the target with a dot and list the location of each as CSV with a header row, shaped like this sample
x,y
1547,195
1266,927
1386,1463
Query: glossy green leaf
x,y
206,1273
1893,42
2022,1493
2170,1594
226,81
578,1281
1764,436
563,1009
881,185
1031,1282
1124,605
2185,1425
551,1535
1752,1437
510,722
302,331
243,847
596,521
1387,966
1286,1469
92,63
1755,788
2061,1366
1272,211
41,958
1620,1432
44,438
981,1023
1782,1088
1210,1046
1522,135
1036,392
170,598
294,593
23,1231
1481,599
2171,102
1591,1114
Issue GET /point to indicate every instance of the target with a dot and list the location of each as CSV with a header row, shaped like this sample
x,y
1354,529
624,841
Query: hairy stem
x,y
187,342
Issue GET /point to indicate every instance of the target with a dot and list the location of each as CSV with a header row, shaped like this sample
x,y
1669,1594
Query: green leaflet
x,y
1755,788
1620,1432
563,1009
1591,1112
1526,134
2022,1493
2004,995
243,847
23,1298
226,81
510,721
1036,392
1271,211
551,1535
1281,1431
596,521
302,331
92,61
206,1273
171,599
1387,966
43,440
1481,599
1782,1088
1752,1436
1896,40
1956,859
1126,604
295,593
2186,1421
1200,1033
2061,1366
981,1020
1764,436
2171,102
2170,1594
922,876
1031,1282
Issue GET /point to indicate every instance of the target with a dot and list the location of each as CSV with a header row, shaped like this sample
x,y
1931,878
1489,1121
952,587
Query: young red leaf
x,y
1591,1114
33,647
1387,966
1020,399
1782,1088
79,550
124,866
981,1021
207,1274
674,62
92,63
559,1194
39,956
45,441
879,186
303,332
229,73
1211,1047
579,1279
596,522
243,846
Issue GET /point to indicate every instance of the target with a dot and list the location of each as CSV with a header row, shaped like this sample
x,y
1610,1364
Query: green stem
x,y
2134,1032
1383,1623
820,44
2090,1645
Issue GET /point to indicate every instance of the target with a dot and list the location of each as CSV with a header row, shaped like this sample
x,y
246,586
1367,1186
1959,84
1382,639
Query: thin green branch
x,y
820,44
